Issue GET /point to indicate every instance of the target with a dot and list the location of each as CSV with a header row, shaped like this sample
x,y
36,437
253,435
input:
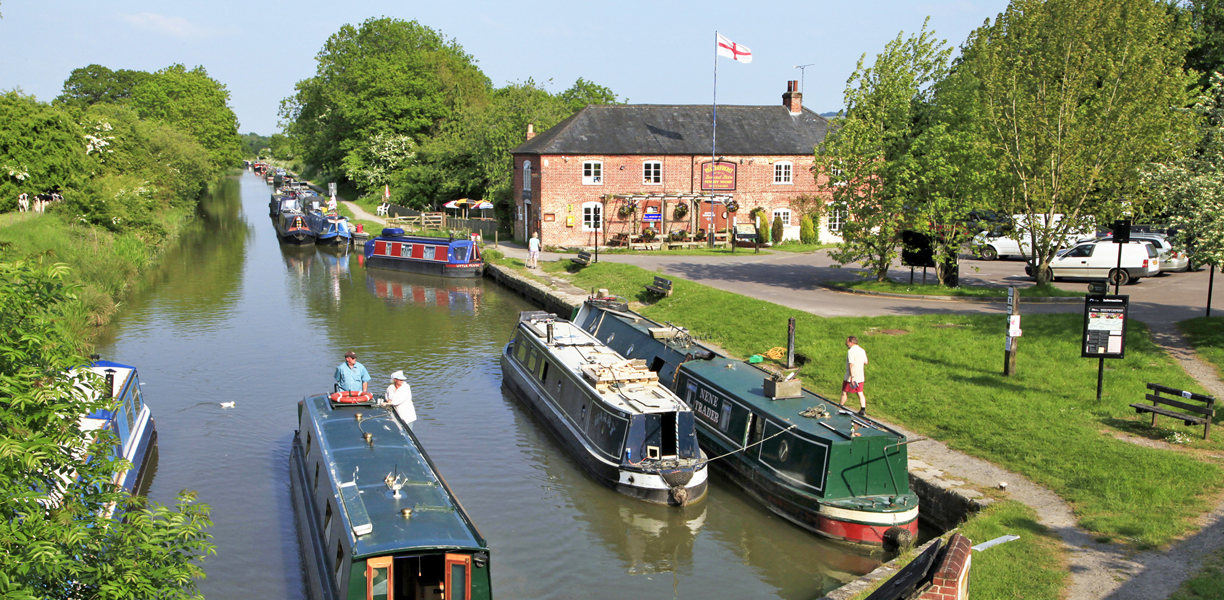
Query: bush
x,y
777,229
807,230
759,218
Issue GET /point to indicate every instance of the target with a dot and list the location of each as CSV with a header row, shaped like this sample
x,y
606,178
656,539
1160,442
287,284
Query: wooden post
x,y
790,343
1009,358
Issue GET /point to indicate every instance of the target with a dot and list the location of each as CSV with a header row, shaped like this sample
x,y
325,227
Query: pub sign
x,y
718,177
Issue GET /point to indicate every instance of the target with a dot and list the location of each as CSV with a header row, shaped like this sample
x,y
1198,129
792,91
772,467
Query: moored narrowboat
x,y
375,518
628,431
291,227
128,417
830,471
431,256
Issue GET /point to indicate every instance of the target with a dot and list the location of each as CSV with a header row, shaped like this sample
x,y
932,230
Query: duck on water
x,y
628,431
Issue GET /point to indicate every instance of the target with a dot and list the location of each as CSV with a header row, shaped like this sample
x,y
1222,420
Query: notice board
x,y
1104,326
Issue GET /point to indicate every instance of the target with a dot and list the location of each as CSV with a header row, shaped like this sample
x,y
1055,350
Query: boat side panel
x,y
319,581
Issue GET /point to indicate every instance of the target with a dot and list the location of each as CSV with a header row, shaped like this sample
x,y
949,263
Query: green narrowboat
x,y
375,519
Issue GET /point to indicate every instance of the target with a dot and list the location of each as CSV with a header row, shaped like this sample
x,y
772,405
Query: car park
x,y
1006,241
1099,260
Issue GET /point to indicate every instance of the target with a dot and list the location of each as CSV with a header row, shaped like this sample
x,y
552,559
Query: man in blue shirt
x,y
351,376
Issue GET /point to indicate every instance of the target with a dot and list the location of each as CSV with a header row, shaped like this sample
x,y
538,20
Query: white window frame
x,y
586,223
526,175
657,176
784,172
592,172
838,214
785,213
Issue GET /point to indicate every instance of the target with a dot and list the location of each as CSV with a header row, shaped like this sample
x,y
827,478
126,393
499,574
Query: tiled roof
x,y
681,130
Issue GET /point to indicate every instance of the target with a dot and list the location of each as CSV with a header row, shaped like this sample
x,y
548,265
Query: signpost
x,y
1104,331
1013,331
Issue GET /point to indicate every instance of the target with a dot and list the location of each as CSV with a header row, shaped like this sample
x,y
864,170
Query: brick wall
x,y
557,189
951,579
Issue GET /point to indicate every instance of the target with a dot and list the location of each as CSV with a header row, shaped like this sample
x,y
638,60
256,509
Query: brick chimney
x,y
530,131
792,99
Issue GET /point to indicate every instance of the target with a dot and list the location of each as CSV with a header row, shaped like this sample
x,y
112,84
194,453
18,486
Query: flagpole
x,y
713,142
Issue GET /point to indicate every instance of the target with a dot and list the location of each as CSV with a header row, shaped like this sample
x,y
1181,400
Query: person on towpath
x,y
856,359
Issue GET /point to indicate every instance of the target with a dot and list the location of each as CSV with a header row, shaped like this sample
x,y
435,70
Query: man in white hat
x,y
399,397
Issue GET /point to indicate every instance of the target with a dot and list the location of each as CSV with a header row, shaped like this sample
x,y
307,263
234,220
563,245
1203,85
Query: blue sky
x,y
649,52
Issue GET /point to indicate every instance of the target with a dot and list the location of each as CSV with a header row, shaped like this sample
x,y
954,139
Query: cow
x,y
23,203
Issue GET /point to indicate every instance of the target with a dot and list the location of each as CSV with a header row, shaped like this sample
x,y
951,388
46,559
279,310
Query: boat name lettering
x,y
706,404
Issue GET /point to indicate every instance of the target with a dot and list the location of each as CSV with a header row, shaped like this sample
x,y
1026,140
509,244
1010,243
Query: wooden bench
x,y
1206,412
583,258
662,287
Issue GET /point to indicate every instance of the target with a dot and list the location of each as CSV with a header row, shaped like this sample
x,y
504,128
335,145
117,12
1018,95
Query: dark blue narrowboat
x,y
128,417
292,228
431,256
328,228
375,518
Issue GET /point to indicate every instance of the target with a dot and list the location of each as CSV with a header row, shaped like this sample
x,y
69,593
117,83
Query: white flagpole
x,y
713,142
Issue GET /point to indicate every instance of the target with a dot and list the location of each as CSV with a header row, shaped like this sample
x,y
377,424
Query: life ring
x,y
350,397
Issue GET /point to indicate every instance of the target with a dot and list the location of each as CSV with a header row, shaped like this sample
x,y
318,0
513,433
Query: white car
x,y
1099,260
993,244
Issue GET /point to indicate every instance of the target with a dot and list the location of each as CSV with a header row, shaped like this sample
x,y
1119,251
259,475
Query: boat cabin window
x,y
137,399
380,578
308,452
339,563
327,521
544,372
316,479
520,350
459,254
458,577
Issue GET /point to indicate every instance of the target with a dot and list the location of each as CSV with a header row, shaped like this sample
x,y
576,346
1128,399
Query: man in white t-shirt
x,y
533,251
856,359
399,397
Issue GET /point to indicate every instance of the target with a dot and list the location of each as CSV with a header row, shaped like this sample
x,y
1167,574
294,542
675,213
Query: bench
x,y
662,287
583,258
1201,414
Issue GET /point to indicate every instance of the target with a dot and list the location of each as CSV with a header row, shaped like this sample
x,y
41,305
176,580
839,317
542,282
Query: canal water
x,y
233,316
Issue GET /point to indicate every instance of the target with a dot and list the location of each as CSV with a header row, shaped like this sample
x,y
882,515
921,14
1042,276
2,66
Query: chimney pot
x,y
793,98
530,130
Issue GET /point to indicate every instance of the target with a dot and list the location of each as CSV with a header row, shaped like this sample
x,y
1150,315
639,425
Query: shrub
x,y
807,230
759,218
777,229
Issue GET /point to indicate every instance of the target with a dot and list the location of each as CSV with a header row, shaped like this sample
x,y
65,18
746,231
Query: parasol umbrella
x,y
464,203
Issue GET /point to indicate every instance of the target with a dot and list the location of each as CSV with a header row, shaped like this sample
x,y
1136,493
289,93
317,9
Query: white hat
x,y
399,375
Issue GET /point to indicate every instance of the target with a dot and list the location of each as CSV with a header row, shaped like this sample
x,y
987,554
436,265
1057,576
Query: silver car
x,y
1171,261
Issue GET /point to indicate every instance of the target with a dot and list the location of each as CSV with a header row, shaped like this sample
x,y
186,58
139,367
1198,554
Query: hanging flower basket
x,y
626,210
681,211
732,206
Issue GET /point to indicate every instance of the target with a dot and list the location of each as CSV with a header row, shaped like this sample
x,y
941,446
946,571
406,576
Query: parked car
x,y
1099,260
1171,261
1001,242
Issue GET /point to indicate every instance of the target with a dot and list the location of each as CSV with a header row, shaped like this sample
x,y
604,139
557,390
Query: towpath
x,y
1098,571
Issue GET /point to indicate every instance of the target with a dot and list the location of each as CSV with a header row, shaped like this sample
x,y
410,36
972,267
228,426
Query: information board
x,y
1104,326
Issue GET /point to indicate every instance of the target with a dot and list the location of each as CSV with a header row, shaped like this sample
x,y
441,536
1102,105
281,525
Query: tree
x,y
57,539
865,156
387,76
1206,55
1075,96
194,103
776,230
96,84
42,149
807,230
1192,188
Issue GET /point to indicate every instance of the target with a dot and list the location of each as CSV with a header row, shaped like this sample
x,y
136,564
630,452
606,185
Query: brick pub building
x,y
642,166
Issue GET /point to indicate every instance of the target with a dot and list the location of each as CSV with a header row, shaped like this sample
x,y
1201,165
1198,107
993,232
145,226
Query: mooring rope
x,y
710,460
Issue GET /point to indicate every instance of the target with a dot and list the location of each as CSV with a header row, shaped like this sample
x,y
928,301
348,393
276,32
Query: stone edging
x,y
560,303
1043,300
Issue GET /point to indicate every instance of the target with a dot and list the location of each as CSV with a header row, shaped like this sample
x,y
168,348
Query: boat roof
x,y
624,384
421,239
437,521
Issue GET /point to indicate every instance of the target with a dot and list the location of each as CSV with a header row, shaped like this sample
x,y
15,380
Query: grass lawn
x,y
934,289
1208,584
1206,334
940,375
801,248
371,227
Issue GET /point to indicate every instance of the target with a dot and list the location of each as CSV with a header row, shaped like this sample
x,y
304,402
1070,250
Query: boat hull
x,y
643,486
320,584
426,267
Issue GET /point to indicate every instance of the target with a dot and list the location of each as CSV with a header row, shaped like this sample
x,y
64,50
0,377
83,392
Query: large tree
x,y
1075,96
196,104
96,84
865,157
385,81
57,536
42,148
1206,54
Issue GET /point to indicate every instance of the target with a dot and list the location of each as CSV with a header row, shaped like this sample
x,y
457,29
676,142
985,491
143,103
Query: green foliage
x,y
1207,584
194,103
1206,55
760,220
1192,188
776,233
387,76
1075,96
867,157
57,539
41,149
253,144
807,230
96,84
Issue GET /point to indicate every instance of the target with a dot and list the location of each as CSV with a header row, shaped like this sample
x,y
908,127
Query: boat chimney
x,y
110,383
551,338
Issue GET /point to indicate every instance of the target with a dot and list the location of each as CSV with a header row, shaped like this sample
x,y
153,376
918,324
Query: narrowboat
x,y
431,256
803,457
128,417
292,228
626,429
328,228
394,531
283,202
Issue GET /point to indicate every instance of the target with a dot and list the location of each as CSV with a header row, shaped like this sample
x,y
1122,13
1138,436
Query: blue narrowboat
x,y
128,417
375,518
431,256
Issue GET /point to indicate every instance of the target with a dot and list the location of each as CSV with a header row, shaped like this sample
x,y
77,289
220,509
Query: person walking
x,y
856,359
533,251
352,376
399,397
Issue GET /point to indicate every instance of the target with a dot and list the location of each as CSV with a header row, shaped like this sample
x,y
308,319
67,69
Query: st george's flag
x,y
733,51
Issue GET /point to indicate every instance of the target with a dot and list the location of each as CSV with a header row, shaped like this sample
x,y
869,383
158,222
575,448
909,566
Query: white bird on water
x,y
227,405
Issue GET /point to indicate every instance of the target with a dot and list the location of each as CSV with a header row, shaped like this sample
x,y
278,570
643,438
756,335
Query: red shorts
x,y
852,388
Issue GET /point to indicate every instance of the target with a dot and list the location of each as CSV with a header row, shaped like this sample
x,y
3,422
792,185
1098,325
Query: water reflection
x,y
397,288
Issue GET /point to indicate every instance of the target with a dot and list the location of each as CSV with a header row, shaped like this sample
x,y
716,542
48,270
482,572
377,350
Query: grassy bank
x,y
1207,584
940,375
1206,334
934,289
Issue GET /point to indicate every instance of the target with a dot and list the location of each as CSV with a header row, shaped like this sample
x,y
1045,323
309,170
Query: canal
x,y
231,315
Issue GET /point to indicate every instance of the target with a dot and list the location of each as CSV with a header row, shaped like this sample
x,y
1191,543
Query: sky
x,y
659,52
